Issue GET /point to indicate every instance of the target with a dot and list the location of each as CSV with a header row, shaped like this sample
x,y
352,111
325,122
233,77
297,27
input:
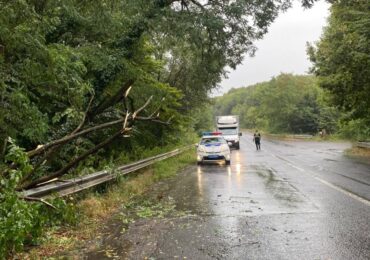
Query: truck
x,y
229,127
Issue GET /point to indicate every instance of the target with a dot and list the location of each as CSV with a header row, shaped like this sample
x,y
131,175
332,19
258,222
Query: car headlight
x,y
225,149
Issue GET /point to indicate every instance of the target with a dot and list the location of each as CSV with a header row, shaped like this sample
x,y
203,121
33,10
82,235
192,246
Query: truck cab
x,y
229,127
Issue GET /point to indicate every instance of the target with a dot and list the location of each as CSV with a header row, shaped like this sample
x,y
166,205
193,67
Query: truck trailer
x,y
229,127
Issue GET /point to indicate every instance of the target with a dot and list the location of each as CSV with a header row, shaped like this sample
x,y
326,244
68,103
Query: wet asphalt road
x,y
291,200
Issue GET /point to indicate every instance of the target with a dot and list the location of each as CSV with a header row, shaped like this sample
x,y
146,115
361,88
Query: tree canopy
x,y
285,104
341,59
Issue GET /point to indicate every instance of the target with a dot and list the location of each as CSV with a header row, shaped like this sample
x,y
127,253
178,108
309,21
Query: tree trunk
x,y
110,101
72,164
71,137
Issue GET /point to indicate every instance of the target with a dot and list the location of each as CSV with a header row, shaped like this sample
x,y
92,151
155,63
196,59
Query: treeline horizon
x,y
288,104
337,95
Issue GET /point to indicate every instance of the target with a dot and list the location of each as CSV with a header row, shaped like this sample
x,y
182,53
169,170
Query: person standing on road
x,y
257,139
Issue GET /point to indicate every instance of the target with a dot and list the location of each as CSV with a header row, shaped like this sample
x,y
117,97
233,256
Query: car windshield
x,y
212,140
228,131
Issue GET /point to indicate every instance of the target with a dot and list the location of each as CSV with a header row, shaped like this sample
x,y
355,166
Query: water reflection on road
x,y
246,190
263,206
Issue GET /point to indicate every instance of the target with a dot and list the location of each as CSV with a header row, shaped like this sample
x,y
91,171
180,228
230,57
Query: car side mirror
x,y
240,134
196,145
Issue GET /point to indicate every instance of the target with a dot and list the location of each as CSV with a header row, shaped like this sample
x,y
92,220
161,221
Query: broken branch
x,y
85,115
141,108
73,163
67,138
39,200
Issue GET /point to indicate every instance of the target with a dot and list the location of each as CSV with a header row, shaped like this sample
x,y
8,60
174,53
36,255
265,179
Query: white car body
x,y
213,148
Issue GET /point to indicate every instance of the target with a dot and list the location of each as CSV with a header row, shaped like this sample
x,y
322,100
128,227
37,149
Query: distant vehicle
x,y
229,127
213,147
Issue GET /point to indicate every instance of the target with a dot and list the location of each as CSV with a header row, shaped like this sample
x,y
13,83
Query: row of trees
x,y
336,99
341,62
285,104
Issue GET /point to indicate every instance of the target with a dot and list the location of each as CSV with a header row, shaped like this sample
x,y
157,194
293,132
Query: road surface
x,y
291,200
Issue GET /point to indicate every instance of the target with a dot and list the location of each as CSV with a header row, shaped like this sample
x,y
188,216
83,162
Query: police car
x,y
213,147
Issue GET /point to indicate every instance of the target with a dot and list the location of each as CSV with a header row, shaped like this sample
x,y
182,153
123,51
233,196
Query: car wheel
x,y
238,147
227,162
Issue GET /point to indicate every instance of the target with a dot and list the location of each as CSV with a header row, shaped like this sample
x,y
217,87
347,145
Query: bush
x,y
22,222
357,130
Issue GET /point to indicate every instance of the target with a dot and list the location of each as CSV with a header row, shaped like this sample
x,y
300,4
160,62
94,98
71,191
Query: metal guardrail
x,y
300,136
291,136
62,188
363,144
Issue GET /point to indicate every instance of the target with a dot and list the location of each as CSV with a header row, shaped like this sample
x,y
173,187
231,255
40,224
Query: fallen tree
x,y
127,121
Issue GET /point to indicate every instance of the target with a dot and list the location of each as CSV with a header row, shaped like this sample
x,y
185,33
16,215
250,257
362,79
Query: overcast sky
x,y
283,49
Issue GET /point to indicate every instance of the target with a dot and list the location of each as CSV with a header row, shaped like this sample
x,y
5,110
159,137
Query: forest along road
x,y
290,200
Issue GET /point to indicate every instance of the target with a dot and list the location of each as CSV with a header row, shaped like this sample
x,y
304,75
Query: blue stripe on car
x,y
217,144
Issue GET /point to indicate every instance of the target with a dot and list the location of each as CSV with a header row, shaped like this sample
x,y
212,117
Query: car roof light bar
x,y
211,133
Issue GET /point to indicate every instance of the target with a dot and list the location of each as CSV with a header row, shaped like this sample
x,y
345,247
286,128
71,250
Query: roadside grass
x,y
290,136
96,207
358,152
328,138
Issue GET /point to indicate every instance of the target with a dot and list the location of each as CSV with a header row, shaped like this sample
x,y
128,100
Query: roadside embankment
x,y
96,207
283,136
360,150
289,136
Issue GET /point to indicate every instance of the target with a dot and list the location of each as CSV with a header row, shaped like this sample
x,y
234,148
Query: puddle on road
x,y
237,191
280,189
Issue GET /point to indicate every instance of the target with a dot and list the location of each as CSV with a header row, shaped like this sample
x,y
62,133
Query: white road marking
x,y
330,185
337,188
296,167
